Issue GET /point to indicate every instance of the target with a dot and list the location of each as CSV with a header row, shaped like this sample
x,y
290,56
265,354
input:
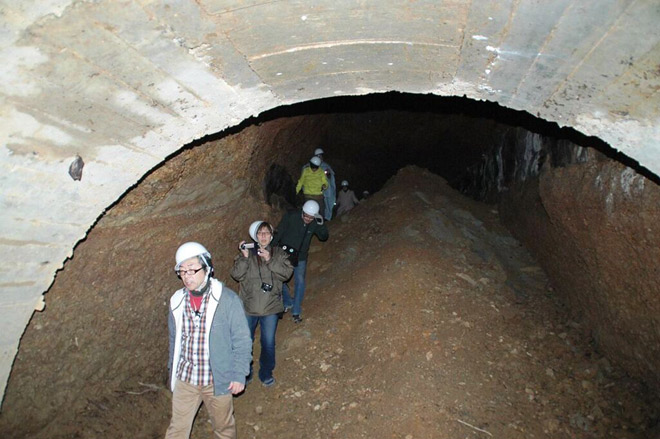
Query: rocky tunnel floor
x,y
423,318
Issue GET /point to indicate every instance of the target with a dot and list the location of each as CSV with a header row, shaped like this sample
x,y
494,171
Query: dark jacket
x,y
252,271
293,232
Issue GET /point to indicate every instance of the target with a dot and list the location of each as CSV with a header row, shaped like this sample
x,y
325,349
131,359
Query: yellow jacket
x,y
312,182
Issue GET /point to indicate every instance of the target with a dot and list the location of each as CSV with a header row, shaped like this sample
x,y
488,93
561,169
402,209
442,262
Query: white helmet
x,y
254,227
315,161
311,207
344,183
318,151
190,250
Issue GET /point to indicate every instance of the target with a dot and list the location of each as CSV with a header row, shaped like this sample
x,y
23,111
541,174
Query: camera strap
x,y
259,269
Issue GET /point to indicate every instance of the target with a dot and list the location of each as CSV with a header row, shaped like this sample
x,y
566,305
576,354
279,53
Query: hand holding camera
x,y
244,246
263,254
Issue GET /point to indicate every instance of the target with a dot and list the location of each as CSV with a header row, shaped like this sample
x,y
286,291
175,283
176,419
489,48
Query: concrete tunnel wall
x,y
124,84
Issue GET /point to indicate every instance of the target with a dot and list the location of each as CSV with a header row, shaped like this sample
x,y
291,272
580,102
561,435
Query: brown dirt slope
x,y
423,319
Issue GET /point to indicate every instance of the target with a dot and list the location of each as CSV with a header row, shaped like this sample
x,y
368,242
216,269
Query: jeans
x,y
267,358
299,289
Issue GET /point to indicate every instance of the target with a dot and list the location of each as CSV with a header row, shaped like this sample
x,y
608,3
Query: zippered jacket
x,y
293,232
252,271
230,343
311,182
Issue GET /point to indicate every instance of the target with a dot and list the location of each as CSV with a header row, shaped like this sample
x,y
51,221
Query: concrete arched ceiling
x,y
123,84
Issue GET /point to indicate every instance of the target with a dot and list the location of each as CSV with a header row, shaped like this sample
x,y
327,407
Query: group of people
x,y
317,182
212,329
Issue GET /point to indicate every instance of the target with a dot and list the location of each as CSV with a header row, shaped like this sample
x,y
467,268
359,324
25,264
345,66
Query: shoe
x,y
269,382
296,318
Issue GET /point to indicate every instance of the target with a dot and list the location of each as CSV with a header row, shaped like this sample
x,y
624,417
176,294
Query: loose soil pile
x,y
423,318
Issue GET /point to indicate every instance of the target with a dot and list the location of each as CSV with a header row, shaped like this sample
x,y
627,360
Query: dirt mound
x,y
423,318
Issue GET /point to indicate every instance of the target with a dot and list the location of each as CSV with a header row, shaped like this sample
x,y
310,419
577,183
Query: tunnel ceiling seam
x,y
606,33
550,37
332,44
276,96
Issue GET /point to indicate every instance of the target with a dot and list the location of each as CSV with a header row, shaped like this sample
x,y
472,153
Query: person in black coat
x,y
293,235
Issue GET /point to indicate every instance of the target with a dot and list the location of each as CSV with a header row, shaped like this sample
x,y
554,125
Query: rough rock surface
x,y
601,221
423,318
592,223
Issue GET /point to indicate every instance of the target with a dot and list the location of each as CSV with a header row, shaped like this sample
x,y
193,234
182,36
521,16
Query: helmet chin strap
x,y
208,270
204,284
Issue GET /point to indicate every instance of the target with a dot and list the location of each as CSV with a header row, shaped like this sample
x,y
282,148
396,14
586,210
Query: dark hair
x,y
206,263
267,225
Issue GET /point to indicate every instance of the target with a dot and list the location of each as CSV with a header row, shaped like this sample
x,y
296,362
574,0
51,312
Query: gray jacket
x,y
229,338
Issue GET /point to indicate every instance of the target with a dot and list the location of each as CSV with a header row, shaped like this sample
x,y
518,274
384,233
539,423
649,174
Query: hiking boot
x,y
296,318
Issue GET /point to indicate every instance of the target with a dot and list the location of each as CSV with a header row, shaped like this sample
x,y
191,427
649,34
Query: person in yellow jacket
x,y
313,182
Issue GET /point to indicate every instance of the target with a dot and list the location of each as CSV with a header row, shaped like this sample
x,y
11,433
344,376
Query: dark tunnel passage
x,y
372,137
586,214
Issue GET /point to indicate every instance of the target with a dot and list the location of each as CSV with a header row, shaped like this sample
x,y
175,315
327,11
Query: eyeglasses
x,y
190,272
263,233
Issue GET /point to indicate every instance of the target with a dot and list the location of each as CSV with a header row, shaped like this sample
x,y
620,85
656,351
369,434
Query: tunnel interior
x,y
374,136
104,324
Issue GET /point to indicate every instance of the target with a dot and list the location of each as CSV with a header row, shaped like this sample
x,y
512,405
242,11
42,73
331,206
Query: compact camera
x,y
266,288
247,245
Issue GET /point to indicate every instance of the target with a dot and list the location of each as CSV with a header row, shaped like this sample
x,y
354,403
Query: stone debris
x,y
76,168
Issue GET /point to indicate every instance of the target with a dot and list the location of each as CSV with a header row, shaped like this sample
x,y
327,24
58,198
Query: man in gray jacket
x,y
210,346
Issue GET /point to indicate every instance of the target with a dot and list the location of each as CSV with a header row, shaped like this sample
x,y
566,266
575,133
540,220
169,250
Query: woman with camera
x,y
260,270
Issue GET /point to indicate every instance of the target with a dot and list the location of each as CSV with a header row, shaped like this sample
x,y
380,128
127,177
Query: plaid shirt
x,y
194,363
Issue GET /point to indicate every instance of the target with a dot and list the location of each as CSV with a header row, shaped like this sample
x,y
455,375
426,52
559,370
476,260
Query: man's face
x,y
192,281
307,218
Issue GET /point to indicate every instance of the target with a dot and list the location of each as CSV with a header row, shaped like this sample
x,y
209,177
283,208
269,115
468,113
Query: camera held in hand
x,y
266,288
247,245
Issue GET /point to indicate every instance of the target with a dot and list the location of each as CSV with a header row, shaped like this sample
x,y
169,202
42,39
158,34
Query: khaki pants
x,y
185,403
